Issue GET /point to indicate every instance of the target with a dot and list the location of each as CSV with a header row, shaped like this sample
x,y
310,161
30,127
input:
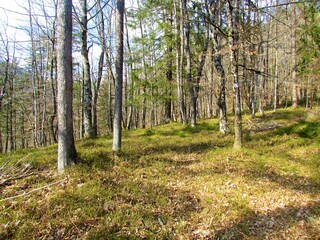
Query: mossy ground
x,y
176,182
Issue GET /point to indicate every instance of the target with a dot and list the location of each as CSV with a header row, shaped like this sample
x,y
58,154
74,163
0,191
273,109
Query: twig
x,y
14,167
5,164
17,177
33,190
18,170
256,127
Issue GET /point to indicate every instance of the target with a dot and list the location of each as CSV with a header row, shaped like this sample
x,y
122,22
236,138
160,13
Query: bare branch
x,y
33,190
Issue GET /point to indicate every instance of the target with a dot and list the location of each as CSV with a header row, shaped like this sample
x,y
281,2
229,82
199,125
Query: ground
x,y
172,182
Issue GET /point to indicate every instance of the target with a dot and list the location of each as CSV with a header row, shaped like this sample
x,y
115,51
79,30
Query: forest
x,y
183,61
180,119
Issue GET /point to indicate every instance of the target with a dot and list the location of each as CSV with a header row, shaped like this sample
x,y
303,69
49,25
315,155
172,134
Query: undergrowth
x,y
175,182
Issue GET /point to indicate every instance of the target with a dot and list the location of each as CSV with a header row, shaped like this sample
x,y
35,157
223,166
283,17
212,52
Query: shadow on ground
x,y
274,224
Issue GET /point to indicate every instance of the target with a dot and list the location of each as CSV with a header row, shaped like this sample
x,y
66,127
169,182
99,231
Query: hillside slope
x,y
172,182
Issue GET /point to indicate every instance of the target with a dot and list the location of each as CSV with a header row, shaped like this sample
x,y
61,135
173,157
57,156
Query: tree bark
x,y
119,77
34,80
101,30
53,80
201,67
217,57
169,71
87,91
144,83
179,62
66,148
193,100
234,51
294,70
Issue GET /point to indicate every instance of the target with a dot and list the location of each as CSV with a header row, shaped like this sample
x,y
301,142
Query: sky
x,y
12,19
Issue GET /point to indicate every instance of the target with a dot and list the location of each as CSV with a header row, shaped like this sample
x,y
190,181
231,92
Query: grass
x,y
176,182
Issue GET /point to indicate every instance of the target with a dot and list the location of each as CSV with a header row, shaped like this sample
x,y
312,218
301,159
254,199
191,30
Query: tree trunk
x,y
101,30
144,83
216,17
11,111
193,100
200,67
234,51
276,74
294,70
3,94
66,148
110,112
179,63
119,77
169,72
53,81
87,91
34,82
43,135
1,144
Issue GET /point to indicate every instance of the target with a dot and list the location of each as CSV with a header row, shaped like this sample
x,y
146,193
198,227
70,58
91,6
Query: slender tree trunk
x,y
153,115
125,98
169,71
260,65
101,30
87,90
307,92
7,127
168,102
110,112
66,148
276,80
201,66
217,57
53,81
96,94
111,83
43,136
119,77
179,62
183,107
266,79
34,80
131,72
1,143
6,77
4,94
144,84
294,70
276,84
22,131
12,111
193,100
234,51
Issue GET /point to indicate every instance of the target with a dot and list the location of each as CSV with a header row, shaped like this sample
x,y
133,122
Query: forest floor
x,y
172,182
